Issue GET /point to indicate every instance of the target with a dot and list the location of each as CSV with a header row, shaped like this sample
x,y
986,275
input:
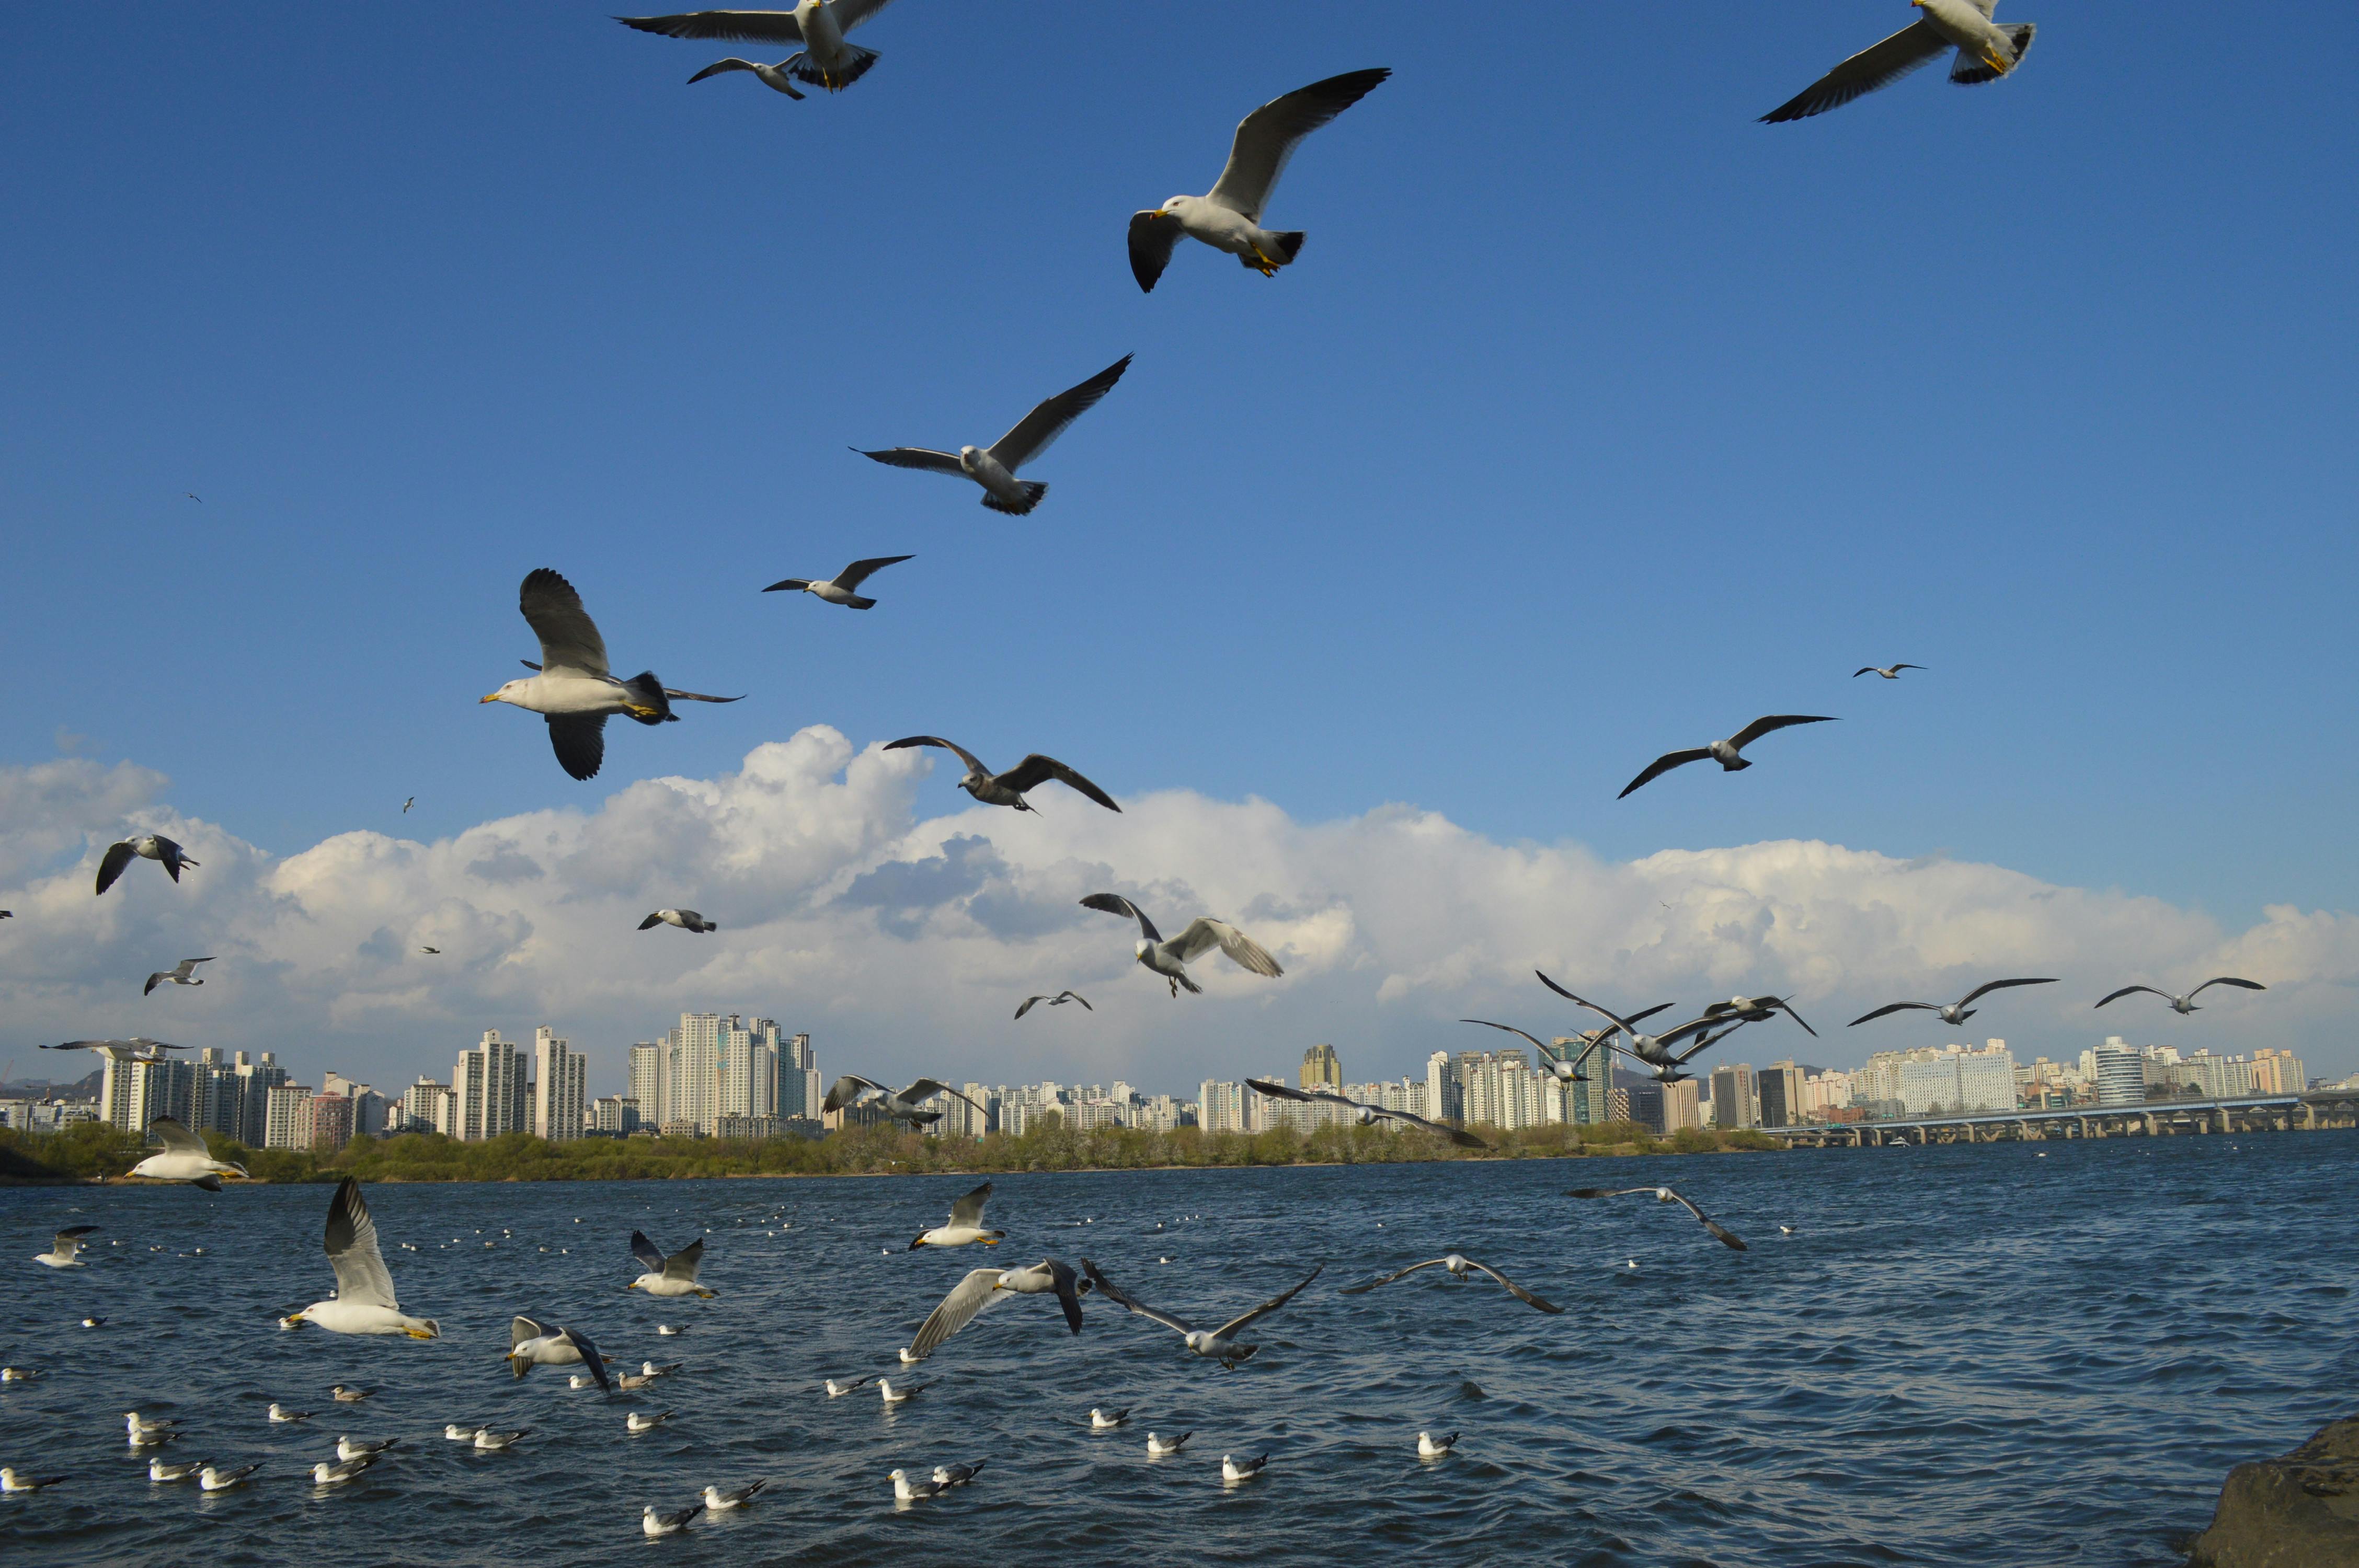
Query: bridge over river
x,y
2308,1112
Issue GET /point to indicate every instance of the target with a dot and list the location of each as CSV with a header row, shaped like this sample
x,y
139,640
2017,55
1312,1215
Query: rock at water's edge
x,y
2299,1512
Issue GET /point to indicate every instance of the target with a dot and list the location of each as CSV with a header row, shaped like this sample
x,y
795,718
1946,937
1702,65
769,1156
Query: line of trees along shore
x,y
94,1151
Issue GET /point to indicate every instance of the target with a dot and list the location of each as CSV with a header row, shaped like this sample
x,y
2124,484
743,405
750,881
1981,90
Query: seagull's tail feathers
x,y
857,602
1971,68
1189,985
1033,492
649,704
856,61
209,1181
1289,246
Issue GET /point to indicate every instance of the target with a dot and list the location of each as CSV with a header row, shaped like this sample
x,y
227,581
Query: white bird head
x,y
511,692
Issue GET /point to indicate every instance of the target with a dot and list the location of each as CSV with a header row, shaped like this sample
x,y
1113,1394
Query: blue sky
x,y
1596,420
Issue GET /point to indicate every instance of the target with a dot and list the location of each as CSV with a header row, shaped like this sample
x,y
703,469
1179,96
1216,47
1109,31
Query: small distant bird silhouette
x,y
184,973
192,495
429,949
1725,752
407,803
1059,999
1889,671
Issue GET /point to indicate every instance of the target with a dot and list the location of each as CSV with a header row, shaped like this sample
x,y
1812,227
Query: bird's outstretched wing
x,y
590,1356
979,1290
651,922
1205,934
1664,764
850,1087
1153,237
1036,769
1113,1293
1879,65
1517,1290
1036,431
1068,1289
651,1256
1083,999
361,1274
1362,1290
917,458
568,638
682,1264
851,577
1544,1049
679,695
1246,1320
2128,990
925,1088
1114,904
1892,1007
1727,1238
2000,985
968,1210
1457,1135
158,978
1278,1090
1605,1192
735,27
111,864
579,742
1267,138
1027,1004
1769,722
1623,1025
174,1138
973,762
2226,980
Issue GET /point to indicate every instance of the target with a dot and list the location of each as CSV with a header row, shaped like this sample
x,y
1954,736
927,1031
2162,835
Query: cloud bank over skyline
x,y
903,941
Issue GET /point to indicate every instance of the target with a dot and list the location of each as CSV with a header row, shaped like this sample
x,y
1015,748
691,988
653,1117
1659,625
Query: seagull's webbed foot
x,y
1263,264
1998,62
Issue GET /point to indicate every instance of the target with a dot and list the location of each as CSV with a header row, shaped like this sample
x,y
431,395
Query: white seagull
x,y
685,919
326,1475
532,1344
216,1478
845,587
1889,671
825,60
490,1442
281,1415
1236,1469
1986,51
157,1470
964,1226
1459,1266
901,1395
839,1387
1220,1344
1950,1012
1059,999
14,1480
982,1288
2183,1005
1431,1447
1228,218
147,846
634,1422
949,1476
655,1523
1106,1420
1008,788
183,973
908,1490
574,690
1664,1194
184,1158
364,1301
667,1276
994,467
1368,1115
1725,752
139,1048
1164,1447
851,1088
355,1448
720,1502
1171,959
65,1250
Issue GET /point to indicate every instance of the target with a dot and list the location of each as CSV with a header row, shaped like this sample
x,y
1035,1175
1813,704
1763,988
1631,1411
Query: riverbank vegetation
x,y
94,1152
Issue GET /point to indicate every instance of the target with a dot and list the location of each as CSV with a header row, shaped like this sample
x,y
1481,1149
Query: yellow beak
x,y
494,697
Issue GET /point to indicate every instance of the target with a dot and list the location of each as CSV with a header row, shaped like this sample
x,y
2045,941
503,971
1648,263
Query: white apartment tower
x,y
561,1079
488,1087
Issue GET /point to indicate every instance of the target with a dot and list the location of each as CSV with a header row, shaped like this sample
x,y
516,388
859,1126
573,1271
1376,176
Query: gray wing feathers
x,y
1036,769
1517,1290
739,27
1237,1324
682,1264
651,1256
1205,934
2001,985
568,638
1113,1293
1879,65
1267,138
917,458
968,1210
1769,722
973,762
967,1298
175,1137
851,577
361,1274
1114,904
1036,431
1388,1279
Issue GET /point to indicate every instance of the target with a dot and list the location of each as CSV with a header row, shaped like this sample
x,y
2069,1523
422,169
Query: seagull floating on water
x,y
355,1448
1008,788
908,1490
720,1502
1106,1420
824,62
1059,999
490,1442
183,973
1459,1266
157,1470
948,1476
839,1387
1986,51
1220,1344
634,1422
65,1250
672,1276
1431,1447
1950,1012
364,1301
1725,752
843,588
327,1474
343,1394
1663,1194
1236,1469
2183,1005
147,846
1171,959
14,1480
995,467
964,1226
1228,216
1164,1447
281,1414
215,1478
901,1395
655,1523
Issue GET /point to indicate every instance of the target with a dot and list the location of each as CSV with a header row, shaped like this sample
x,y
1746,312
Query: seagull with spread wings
x,y
1725,752
1987,50
984,1288
1171,959
66,1248
824,62
1365,1114
1059,999
1459,1266
851,1088
1215,1344
1656,1050
994,467
147,847
1228,218
845,587
184,1158
667,1276
1008,788
533,1343
1665,1195
1554,1062
183,973
965,1227
1889,671
1950,1012
685,919
364,1301
1757,1010
139,1048
572,687
2183,1005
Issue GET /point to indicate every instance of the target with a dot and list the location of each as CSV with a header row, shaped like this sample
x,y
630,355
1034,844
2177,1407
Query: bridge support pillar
x,y
2225,1125
2309,1118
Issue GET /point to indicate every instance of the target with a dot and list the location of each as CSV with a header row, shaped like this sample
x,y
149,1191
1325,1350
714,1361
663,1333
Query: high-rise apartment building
x,y
691,1076
2278,1073
287,1116
560,1083
490,1088
1443,1093
133,1094
429,1107
645,1084
1322,1069
1780,1088
1732,1102
1221,1107
2120,1073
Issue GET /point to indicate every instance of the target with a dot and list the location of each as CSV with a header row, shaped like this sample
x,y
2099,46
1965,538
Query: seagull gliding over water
x,y
65,1250
184,1158
364,1301
984,1288
964,1226
1218,1344
1664,1194
1459,1266
667,1276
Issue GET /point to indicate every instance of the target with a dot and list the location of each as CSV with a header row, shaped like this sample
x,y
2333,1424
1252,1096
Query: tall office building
x,y
1780,1087
1321,1069
489,1086
1733,1103
2120,1073
1682,1106
259,1078
645,1087
561,1082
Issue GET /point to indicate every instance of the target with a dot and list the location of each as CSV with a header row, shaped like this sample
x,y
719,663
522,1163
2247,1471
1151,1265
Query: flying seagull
x,y
192,495
533,1343
2185,1004
364,1301
685,919
1171,959
1228,218
1059,999
1367,1114
964,1226
1664,1194
1008,788
1757,1010
184,1158
844,588
573,690
1725,752
1459,1265
825,60
1564,1071
183,973
852,1087
1952,1012
995,469
1220,1344
1656,1050
671,1276
147,846
1889,671
429,949
1986,51
987,1287
65,1250
139,1048
407,803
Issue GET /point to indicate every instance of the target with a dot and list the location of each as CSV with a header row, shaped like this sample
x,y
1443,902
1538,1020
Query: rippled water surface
x,y
2011,1354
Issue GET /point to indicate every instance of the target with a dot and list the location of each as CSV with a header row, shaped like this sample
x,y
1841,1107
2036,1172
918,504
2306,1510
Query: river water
x,y
2014,1353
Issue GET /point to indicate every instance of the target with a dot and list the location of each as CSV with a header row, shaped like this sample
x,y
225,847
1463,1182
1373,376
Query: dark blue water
x,y
1966,1356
